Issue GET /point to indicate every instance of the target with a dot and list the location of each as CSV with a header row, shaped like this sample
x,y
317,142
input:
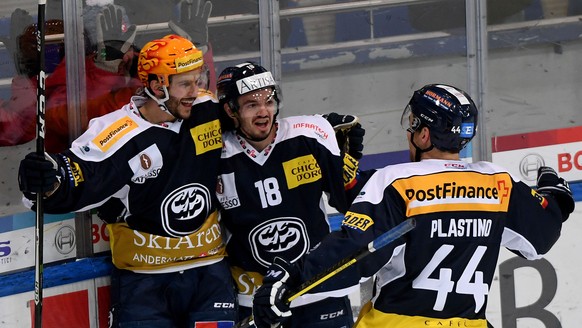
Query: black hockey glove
x,y
270,306
193,22
38,174
112,211
112,40
349,133
19,21
550,184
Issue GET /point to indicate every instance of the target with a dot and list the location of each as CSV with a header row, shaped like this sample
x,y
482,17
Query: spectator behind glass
x,y
110,69
103,76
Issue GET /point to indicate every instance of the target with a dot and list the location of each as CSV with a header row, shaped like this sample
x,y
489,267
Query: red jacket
x,y
106,92
18,114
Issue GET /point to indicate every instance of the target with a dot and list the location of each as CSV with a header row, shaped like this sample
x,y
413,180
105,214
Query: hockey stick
x,y
40,128
380,241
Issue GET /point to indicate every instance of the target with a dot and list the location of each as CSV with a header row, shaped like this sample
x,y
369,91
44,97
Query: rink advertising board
x,y
546,292
17,239
523,154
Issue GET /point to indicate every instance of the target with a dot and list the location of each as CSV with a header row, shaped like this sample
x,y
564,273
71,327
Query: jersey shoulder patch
x,y
107,134
310,126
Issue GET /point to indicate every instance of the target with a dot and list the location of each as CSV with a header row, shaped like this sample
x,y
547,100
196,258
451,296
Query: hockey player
x,y
159,154
439,274
273,174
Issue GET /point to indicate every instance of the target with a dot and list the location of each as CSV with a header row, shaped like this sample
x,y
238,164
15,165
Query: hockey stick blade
x,y
380,241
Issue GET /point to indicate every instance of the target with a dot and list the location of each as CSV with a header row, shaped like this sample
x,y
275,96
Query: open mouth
x,y
262,124
187,102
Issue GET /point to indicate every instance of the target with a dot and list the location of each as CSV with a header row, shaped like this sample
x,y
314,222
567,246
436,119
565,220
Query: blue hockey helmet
x,y
448,112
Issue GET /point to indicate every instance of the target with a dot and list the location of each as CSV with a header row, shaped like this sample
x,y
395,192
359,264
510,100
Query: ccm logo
x,y
566,161
331,315
219,305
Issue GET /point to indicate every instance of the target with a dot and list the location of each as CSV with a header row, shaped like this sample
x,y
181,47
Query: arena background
x,y
364,58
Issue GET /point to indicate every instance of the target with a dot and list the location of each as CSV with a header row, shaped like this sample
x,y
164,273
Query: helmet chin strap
x,y
418,151
161,102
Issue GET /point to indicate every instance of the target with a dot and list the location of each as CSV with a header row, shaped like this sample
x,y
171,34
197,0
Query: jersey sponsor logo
x,y
147,164
149,175
226,191
255,82
145,161
310,126
285,237
137,250
114,132
183,206
455,191
350,171
301,170
76,172
452,190
200,239
543,201
460,228
377,318
207,137
357,221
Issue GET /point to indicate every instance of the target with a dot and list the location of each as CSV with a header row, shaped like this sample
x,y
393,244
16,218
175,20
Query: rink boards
x,y
542,293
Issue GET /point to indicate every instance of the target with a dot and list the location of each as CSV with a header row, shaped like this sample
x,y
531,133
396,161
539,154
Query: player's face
x,y
257,113
183,91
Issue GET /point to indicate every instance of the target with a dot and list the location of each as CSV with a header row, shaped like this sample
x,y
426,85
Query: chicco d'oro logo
x,y
184,208
207,136
285,237
301,170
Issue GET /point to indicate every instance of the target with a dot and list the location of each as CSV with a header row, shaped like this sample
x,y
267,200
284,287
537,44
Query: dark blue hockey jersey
x,y
165,174
439,274
273,201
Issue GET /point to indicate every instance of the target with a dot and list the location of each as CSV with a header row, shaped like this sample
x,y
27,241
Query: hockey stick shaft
x,y
40,129
380,241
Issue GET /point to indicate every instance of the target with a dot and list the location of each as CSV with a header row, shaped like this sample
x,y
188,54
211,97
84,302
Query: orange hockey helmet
x,y
169,55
